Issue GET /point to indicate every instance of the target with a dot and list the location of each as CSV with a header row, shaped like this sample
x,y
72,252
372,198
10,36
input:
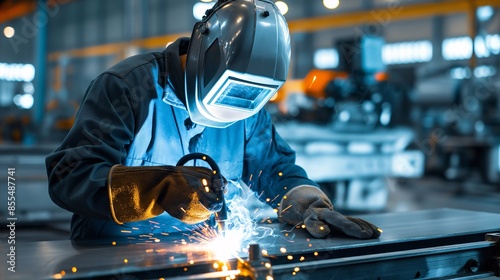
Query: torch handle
x,y
221,216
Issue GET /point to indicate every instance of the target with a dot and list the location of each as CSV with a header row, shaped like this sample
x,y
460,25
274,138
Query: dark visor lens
x,y
243,95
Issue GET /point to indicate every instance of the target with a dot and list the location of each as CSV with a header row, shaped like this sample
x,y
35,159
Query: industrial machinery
x,y
426,244
349,127
357,96
457,109
460,119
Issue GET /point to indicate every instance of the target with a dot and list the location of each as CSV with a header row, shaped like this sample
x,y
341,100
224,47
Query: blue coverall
x,y
134,114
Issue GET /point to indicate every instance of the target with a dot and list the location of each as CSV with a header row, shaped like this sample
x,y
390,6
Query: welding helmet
x,y
237,59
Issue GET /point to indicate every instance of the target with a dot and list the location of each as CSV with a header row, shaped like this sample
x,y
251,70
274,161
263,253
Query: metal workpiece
x,y
427,244
255,267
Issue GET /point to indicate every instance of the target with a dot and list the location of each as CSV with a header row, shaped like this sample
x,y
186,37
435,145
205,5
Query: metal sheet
x,y
174,255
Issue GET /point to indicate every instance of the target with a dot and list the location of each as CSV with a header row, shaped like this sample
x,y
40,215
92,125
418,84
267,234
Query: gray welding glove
x,y
309,205
188,193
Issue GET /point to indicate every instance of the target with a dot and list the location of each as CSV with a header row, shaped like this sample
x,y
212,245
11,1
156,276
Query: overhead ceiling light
x,y
331,4
282,6
200,8
206,1
9,31
484,13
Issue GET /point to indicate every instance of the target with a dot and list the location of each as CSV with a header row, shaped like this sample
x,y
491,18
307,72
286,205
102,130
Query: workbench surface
x,y
178,255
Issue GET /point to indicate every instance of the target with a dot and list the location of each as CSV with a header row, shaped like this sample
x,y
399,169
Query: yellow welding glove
x,y
309,205
188,193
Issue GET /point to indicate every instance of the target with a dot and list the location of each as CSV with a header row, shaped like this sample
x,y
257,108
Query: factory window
x,y
407,52
457,48
326,58
484,71
461,47
11,89
17,72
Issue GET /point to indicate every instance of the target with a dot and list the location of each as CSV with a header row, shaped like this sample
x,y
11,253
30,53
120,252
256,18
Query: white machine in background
x,y
354,169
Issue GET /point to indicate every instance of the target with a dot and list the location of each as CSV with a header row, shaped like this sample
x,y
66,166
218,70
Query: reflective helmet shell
x,y
240,44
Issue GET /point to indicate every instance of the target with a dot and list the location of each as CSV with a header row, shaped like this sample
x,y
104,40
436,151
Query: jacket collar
x,y
174,93
170,97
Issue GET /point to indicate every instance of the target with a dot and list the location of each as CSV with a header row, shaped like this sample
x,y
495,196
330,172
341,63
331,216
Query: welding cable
x,y
211,162
193,156
221,215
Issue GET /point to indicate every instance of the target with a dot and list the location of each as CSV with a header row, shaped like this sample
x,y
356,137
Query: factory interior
x,y
392,107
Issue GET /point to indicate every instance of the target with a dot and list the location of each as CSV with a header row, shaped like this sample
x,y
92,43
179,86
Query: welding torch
x,y
221,215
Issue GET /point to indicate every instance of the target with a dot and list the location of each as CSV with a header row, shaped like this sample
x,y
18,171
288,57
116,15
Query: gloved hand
x,y
311,206
190,194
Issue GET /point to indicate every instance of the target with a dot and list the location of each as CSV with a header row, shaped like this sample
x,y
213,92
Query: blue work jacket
x,y
131,114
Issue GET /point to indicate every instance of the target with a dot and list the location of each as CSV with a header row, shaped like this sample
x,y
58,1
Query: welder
x,y
116,169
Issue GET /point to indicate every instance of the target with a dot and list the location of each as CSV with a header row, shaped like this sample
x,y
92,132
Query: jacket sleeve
x,y
77,170
269,164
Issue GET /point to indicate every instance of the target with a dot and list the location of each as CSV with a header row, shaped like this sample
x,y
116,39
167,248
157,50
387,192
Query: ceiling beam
x,y
11,11
384,16
394,12
116,48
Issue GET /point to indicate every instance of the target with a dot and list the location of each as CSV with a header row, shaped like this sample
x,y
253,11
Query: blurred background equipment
x,y
390,105
467,118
